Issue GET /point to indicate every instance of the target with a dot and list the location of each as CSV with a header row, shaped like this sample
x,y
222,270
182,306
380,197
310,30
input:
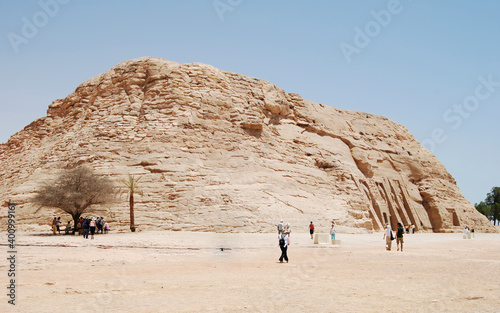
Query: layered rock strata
x,y
219,151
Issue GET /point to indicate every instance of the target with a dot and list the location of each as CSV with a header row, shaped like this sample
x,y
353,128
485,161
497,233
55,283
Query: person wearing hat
x,y
311,229
283,243
280,227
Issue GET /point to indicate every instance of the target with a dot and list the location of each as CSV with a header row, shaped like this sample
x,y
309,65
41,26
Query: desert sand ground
x,y
188,272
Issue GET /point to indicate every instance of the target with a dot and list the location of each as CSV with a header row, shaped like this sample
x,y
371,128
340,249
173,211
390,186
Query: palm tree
x,y
131,184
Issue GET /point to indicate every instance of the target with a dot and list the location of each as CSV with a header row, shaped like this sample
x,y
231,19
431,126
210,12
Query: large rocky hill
x,y
219,151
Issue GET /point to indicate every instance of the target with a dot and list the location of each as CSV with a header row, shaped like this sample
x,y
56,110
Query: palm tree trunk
x,y
132,222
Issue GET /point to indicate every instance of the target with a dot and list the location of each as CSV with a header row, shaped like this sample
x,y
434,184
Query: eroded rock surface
x,y
219,151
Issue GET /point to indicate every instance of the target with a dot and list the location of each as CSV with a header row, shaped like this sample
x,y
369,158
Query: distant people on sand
x,y
280,227
332,231
399,237
284,242
83,226
472,232
311,229
388,237
466,232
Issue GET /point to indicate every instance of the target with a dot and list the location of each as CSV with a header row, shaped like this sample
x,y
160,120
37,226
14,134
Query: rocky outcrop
x,y
219,151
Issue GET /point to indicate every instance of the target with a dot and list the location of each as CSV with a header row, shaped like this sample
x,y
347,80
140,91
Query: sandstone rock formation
x,y
219,151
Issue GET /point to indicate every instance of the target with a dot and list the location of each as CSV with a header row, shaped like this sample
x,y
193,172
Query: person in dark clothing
x,y
399,237
58,225
284,242
86,228
100,224
311,229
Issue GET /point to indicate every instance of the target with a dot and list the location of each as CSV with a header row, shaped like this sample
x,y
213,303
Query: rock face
x,y
219,151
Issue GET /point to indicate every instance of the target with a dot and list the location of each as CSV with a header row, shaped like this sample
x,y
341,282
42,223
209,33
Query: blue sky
x,y
432,66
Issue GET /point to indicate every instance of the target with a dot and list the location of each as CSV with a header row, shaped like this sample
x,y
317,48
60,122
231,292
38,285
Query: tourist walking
x,y
388,237
311,229
332,231
284,241
399,237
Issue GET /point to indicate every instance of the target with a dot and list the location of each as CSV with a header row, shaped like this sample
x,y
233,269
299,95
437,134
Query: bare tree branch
x,y
74,191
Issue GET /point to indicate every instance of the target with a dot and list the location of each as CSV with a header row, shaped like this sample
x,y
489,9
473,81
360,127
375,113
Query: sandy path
x,y
187,272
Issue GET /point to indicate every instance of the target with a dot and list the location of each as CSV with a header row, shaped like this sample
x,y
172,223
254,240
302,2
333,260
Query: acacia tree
x,y
74,191
131,185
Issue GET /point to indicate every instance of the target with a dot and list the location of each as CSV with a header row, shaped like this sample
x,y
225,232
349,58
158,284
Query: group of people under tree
x,y
92,225
84,226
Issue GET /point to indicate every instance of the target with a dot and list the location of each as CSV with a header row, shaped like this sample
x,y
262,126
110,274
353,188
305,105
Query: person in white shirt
x,y
388,237
284,242
92,227
280,227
